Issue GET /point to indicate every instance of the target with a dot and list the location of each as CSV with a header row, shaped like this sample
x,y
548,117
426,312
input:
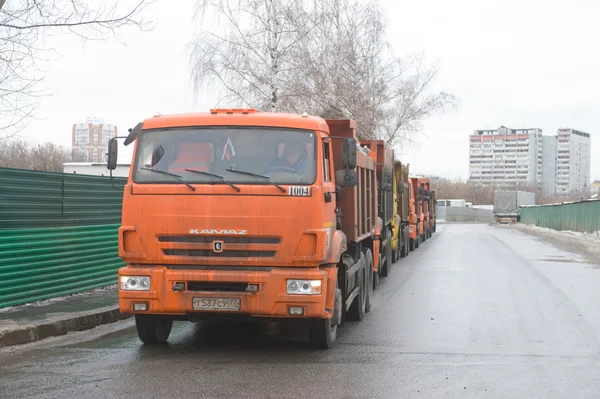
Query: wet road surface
x,y
476,312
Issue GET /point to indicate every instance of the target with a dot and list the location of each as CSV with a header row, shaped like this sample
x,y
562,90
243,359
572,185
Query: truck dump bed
x,y
359,203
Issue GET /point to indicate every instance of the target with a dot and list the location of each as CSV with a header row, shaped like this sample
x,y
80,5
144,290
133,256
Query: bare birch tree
x,y
24,55
312,56
249,57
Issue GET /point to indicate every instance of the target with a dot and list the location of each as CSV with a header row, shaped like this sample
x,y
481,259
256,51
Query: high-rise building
x,y
90,140
573,159
549,152
506,157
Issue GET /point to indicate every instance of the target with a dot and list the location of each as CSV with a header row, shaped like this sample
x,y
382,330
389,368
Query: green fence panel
x,y
42,199
38,264
581,216
30,199
91,200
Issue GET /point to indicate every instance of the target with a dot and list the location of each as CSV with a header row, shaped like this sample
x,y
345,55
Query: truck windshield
x,y
285,156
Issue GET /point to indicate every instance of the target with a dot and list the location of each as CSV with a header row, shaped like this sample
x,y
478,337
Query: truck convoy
x,y
238,213
507,205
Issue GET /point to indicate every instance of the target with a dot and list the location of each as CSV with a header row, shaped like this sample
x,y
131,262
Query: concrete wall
x,y
456,214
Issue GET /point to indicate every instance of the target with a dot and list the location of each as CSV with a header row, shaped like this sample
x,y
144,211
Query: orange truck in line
x,y
426,211
237,213
415,225
383,156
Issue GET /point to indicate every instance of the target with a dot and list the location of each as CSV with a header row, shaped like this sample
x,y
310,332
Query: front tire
x,y
153,329
323,332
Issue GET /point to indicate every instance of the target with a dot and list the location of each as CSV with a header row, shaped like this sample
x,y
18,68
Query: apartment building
x,y
549,162
90,140
506,157
573,159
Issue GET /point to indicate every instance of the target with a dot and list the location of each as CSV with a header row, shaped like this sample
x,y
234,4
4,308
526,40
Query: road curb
x,y
79,322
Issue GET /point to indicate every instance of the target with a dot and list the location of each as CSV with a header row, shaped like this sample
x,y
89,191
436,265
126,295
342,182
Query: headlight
x,y
303,287
135,283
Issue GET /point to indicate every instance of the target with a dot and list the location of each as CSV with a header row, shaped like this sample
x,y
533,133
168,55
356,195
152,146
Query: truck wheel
x,y
418,241
376,275
153,329
322,332
387,251
406,242
368,282
412,244
359,305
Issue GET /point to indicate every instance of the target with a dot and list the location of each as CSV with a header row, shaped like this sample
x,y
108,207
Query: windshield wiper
x,y
201,172
267,178
171,174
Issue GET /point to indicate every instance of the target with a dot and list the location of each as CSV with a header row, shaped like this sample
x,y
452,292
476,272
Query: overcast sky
x,y
526,63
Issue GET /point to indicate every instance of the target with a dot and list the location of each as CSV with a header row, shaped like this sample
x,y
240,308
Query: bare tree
x,y
24,56
312,55
20,154
250,57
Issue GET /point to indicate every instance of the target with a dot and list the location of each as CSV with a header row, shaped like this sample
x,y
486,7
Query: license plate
x,y
221,304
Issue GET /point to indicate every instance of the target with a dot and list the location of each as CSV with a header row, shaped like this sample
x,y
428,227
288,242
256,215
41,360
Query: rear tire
x,y
369,282
418,241
153,329
376,275
387,266
412,244
359,305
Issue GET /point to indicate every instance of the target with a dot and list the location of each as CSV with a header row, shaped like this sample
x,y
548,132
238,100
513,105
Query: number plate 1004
x,y
222,304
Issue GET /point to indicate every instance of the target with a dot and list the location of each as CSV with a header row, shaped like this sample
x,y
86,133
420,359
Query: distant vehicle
x,y
507,205
461,203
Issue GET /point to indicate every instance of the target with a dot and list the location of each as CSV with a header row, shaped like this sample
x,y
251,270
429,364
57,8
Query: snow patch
x,y
60,299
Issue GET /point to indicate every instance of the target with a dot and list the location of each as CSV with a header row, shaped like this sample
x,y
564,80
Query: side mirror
x,y
112,155
349,153
133,133
346,178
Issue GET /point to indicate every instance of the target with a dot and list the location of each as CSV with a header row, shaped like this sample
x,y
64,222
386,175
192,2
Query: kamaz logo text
x,y
218,232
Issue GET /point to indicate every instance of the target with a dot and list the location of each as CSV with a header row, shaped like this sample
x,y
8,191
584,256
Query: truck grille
x,y
208,286
224,254
225,239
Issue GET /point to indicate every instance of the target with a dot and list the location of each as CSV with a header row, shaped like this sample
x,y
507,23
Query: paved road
x,y
476,312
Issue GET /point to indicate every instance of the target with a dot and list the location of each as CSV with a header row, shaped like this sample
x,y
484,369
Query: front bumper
x,y
271,300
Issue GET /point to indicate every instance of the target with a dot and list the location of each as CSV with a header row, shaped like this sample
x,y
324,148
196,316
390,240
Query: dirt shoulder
x,y
585,244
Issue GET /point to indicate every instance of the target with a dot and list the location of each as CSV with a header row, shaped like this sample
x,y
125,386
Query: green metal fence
x,y
42,199
581,216
37,264
58,234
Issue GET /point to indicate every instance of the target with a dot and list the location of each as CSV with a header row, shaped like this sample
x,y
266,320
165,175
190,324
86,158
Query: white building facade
x,y
90,140
549,164
506,157
573,161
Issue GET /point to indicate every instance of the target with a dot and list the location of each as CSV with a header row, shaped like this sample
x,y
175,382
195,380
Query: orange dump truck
x,y
383,155
426,211
237,213
422,214
415,225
